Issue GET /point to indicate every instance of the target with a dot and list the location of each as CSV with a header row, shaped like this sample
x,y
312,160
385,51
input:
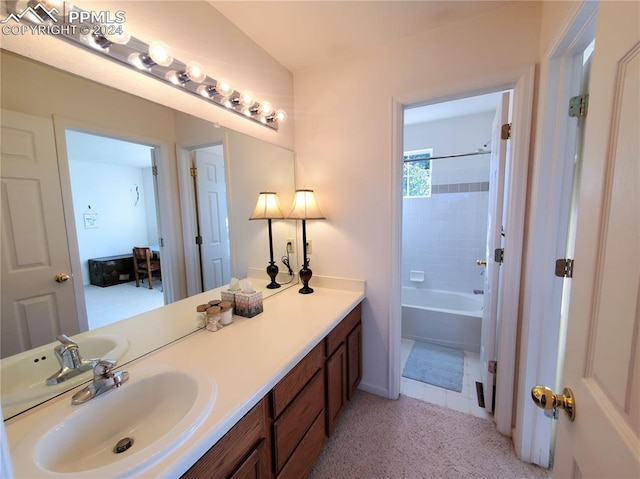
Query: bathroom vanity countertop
x,y
246,359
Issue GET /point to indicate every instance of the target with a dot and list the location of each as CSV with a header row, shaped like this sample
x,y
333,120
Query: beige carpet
x,y
412,439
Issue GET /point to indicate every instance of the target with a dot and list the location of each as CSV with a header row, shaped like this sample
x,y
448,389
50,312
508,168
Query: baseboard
x,y
378,391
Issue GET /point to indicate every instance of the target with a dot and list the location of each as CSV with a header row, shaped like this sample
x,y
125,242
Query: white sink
x,y
157,408
23,376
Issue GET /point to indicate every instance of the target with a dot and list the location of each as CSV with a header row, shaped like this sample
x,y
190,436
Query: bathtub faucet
x,y
478,291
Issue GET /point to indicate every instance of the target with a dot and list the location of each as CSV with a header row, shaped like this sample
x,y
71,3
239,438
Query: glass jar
x,y
201,315
213,318
226,311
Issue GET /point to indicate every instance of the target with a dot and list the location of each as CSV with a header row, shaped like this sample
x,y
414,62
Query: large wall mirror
x,y
119,173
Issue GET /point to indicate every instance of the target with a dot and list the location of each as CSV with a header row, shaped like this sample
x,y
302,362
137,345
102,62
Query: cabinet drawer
x,y
224,457
291,427
287,389
306,453
340,332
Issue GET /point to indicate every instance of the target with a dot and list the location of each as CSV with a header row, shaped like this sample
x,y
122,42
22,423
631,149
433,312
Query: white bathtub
x,y
442,317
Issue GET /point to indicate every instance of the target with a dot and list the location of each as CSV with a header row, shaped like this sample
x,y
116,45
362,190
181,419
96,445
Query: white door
x,y
213,218
35,308
602,363
490,312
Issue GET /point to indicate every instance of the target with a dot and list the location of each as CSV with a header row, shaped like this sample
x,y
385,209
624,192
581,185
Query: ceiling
x,y
452,109
304,33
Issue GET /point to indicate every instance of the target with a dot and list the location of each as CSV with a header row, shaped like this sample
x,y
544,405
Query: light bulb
x,y
265,108
281,116
246,99
226,101
117,34
223,87
160,53
195,73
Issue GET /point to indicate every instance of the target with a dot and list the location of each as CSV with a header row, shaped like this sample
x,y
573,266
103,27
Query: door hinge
x,y
194,171
493,367
578,105
198,239
161,242
154,170
564,268
498,255
505,131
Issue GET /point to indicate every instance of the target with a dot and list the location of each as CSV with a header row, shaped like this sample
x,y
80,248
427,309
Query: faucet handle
x,y
103,368
66,342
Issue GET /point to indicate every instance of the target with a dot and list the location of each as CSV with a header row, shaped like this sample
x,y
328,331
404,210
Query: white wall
x,y
122,224
344,139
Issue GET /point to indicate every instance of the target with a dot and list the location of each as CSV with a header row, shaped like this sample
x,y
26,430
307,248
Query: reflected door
x,y
35,306
213,217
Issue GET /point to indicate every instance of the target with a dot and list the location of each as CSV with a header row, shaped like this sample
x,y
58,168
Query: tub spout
x,y
478,291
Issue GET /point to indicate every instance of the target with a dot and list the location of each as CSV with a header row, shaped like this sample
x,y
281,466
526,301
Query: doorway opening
x,y
449,149
114,192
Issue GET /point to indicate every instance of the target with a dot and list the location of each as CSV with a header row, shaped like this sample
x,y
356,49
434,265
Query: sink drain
x,y
123,445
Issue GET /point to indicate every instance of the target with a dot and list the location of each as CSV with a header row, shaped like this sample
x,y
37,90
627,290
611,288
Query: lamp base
x,y
272,271
305,276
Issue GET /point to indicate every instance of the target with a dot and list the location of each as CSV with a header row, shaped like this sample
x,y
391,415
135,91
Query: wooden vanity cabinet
x,y
242,453
285,432
343,366
298,416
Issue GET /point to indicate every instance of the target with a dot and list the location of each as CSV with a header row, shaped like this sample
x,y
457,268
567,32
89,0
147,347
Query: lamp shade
x,y
268,207
305,207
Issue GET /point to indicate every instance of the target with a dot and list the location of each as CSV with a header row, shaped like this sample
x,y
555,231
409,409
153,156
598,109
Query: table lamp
x,y
305,208
268,208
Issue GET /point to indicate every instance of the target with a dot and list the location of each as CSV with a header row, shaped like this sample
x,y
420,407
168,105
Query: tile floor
x,y
465,401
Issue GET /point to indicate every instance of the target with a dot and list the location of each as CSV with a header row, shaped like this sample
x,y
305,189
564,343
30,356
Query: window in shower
x,y
416,173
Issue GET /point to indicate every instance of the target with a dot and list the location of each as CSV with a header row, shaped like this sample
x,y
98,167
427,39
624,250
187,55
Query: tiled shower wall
x,y
445,234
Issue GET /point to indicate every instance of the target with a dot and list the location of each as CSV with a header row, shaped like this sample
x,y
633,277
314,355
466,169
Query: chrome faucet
x,y
104,380
71,363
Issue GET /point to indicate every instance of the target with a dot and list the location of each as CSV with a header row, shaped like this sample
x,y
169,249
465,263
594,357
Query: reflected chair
x,y
143,263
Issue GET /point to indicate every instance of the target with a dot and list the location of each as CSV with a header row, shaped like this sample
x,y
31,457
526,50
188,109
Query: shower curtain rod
x,y
411,160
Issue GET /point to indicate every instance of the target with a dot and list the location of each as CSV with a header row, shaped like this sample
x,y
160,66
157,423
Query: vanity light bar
x,y
154,59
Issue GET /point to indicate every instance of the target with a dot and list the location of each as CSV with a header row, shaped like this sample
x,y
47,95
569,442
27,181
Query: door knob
x,y
61,277
481,262
545,398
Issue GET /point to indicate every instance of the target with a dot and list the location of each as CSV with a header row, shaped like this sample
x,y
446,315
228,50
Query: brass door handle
x,y
545,398
481,262
61,277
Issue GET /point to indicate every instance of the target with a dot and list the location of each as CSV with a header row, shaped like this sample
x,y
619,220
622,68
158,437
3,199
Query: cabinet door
x,y
254,466
354,359
236,450
336,385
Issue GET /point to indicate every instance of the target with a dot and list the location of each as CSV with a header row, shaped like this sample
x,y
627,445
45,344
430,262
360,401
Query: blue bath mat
x,y
437,365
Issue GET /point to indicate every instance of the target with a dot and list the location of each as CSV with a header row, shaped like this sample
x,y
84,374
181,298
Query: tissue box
x,y
229,296
248,304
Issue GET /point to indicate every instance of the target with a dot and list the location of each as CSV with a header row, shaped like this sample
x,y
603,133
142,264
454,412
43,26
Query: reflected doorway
x,y
114,191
